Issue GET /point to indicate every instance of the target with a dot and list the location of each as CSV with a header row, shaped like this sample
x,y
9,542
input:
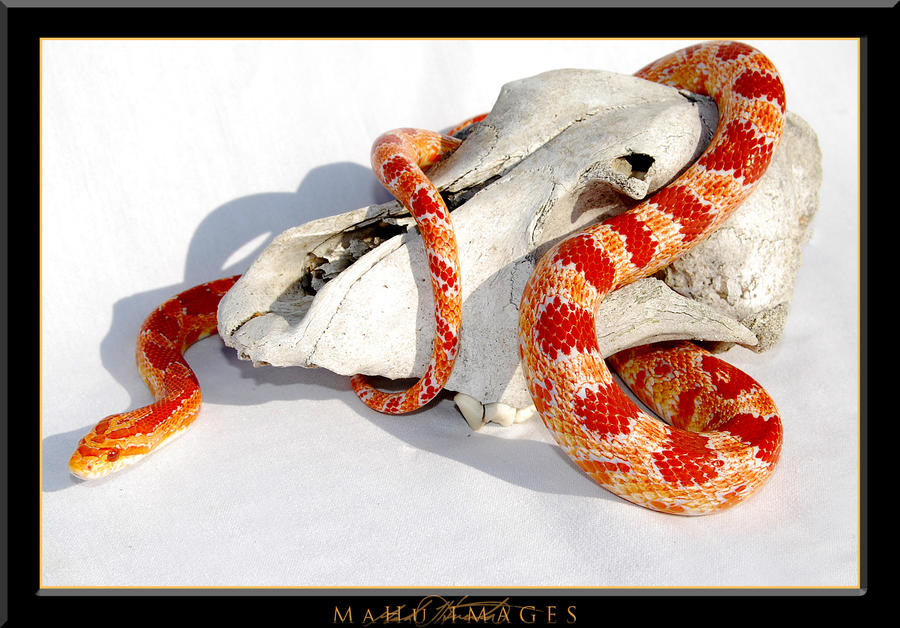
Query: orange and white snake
x,y
724,433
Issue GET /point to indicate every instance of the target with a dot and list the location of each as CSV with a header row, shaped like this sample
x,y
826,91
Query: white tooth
x,y
500,413
523,414
471,409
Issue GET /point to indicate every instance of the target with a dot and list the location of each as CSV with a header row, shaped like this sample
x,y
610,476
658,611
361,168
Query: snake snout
x,y
88,463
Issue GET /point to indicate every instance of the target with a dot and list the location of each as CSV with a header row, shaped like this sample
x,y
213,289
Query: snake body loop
x,y
399,159
632,454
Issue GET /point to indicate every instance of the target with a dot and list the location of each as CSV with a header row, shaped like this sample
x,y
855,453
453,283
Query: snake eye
x,y
112,456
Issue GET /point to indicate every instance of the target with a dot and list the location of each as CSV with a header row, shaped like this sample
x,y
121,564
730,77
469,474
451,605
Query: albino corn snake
x,y
665,468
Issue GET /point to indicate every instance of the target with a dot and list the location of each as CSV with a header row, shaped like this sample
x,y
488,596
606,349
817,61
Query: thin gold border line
x,y
449,38
859,236
41,310
432,587
562,589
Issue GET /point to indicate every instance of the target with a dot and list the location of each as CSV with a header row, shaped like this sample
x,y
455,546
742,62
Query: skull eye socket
x,y
635,165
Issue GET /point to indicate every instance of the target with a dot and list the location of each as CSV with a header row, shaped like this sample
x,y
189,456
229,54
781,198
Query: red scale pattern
x,y
425,205
159,355
445,273
199,301
756,431
393,167
589,260
755,84
429,386
445,333
639,238
685,459
604,410
728,381
692,215
563,327
392,404
163,324
542,393
686,406
745,152
733,50
147,423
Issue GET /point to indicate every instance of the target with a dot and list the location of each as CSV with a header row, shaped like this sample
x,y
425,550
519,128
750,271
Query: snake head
x,y
115,443
90,462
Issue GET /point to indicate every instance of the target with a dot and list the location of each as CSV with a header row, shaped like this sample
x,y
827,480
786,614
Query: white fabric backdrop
x,y
169,163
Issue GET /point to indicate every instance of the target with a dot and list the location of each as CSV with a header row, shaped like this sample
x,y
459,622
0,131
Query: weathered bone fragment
x,y
746,268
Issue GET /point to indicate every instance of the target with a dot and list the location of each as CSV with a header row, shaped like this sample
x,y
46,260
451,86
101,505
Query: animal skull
x,y
558,151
